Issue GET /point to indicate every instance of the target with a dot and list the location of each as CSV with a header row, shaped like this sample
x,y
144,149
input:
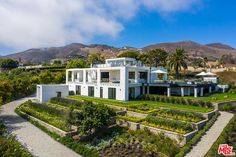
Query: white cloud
x,y
40,23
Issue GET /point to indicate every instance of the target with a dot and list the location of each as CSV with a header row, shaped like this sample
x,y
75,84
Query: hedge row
x,y
66,102
175,100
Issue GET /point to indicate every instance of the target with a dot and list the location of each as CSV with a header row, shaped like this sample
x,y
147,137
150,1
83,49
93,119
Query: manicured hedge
x,y
66,102
47,114
167,124
179,115
175,100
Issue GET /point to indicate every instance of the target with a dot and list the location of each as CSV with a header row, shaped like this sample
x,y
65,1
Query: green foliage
x,y
47,114
197,62
142,108
227,136
93,117
67,141
129,118
96,58
168,124
129,54
177,61
177,100
9,146
228,107
66,102
76,63
179,115
8,64
156,57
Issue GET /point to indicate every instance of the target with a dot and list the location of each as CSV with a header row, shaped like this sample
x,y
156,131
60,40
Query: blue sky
x,y
42,23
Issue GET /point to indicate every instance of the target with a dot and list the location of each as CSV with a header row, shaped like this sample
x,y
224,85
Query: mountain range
x,y
76,50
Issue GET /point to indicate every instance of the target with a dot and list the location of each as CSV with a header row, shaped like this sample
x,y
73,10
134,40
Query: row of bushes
x,y
9,146
167,124
179,115
49,115
142,108
188,146
226,137
162,123
66,102
175,100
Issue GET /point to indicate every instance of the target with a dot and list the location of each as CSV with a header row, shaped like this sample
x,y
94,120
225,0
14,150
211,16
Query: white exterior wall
x,y
46,92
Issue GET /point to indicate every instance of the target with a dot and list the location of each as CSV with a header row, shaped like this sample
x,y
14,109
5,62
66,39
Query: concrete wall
x,y
46,92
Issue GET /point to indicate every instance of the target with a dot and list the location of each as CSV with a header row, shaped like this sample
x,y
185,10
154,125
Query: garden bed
x,y
153,104
45,113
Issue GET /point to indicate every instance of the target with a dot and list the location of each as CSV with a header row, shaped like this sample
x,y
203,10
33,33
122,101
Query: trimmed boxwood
x,y
176,100
66,102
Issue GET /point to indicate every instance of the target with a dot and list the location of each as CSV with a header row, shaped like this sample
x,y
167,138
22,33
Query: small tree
x,y
129,53
93,117
76,63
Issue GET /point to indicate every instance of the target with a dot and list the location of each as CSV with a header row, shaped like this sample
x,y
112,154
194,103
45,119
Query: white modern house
x,y
124,79
119,79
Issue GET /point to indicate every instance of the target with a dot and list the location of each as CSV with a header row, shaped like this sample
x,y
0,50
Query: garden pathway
x,y
211,135
38,142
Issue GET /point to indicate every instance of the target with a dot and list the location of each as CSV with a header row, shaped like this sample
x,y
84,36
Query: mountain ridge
x,y
79,50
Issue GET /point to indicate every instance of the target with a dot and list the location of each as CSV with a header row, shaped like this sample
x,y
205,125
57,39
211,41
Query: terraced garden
x,y
110,141
153,104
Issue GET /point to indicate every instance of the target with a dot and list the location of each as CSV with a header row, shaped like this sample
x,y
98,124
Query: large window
x,y
111,93
91,91
131,93
78,90
104,76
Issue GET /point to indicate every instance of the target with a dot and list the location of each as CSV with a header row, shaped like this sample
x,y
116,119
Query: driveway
x,y
38,142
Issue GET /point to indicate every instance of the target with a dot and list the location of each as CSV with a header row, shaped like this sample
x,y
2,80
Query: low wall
x,y
131,125
182,139
220,104
208,115
50,127
200,125
117,107
136,114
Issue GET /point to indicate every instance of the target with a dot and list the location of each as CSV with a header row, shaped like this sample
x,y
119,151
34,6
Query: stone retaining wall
x,y
136,114
208,115
50,127
182,139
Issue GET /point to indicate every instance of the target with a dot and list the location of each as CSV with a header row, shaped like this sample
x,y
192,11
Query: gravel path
x,y
38,142
211,135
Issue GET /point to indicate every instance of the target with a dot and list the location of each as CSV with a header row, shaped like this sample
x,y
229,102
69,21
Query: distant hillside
x,y
76,50
72,51
221,46
214,51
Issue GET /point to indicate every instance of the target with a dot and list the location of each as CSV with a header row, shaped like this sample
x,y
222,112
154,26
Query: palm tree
x,y
205,60
177,61
157,57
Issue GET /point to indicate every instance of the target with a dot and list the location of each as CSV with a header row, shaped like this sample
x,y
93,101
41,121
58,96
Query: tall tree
x,y
96,58
177,61
76,63
157,57
129,53
205,61
8,64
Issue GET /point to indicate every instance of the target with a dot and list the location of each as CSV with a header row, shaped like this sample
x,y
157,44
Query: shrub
x,y
129,118
167,124
66,102
179,115
176,100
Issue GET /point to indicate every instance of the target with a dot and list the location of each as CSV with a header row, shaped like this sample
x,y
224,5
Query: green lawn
x,y
139,102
